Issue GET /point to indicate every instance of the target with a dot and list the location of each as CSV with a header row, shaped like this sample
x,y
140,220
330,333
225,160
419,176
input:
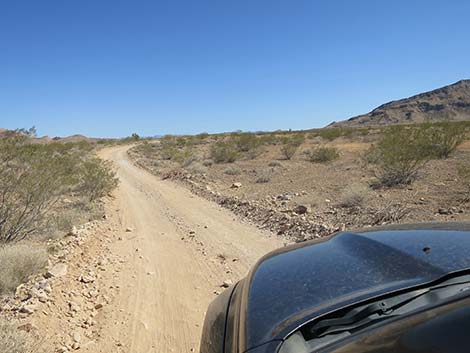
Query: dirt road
x,y
180,249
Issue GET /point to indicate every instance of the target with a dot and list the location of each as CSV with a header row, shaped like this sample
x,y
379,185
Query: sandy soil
x,y
178,252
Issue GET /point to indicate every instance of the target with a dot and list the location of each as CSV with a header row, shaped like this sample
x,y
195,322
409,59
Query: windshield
x,y
346,322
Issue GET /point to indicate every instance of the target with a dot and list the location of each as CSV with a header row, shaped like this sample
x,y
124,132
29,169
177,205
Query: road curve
x,y
181,249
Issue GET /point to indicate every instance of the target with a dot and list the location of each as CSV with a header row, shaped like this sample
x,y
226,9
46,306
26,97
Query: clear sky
x,y
111,67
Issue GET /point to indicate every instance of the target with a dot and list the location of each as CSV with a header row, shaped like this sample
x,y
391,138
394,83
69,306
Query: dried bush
x,y
322,154
17,263
464,175
288,150
207,163
13,340
223,152
274,164
354,197
263,179
232,171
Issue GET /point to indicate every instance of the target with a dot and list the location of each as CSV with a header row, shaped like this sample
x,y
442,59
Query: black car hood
x,y
306,281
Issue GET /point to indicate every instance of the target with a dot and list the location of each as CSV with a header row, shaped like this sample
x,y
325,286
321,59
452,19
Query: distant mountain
x,y
447,103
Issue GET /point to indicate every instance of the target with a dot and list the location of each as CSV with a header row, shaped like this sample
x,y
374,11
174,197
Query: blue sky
x,y
110,68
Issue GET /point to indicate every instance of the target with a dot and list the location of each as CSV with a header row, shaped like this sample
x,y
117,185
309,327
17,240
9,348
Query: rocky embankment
x,y
61,306
276,213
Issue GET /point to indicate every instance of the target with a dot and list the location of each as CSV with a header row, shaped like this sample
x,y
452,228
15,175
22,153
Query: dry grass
x,y
13,340
17,263
354,197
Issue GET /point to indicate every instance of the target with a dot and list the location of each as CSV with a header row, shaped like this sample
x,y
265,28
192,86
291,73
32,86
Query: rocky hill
x,y
447,103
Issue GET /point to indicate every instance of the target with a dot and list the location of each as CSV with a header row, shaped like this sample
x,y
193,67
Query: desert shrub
x,y
232,171
322,154
245,142
263,179
330,134
13,340
464,176
268,139
207,163
354,197
33,177
274,164
197,168
291,144
399,155
443,138
223,152
288,150
97,178
168,151
17,263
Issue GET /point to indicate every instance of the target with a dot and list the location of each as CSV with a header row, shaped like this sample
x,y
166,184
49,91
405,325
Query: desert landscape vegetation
x,y
118,245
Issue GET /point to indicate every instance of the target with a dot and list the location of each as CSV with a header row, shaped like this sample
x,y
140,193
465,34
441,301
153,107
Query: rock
x,y
27,327
87,278
236,185
58,270
76,337
129,230
444,211
28,309
73,231
300,209
227,283
22,293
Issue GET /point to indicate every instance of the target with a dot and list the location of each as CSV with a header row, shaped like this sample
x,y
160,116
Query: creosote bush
x,y
399,155
245,141
322,154
223,152
33,177
443,138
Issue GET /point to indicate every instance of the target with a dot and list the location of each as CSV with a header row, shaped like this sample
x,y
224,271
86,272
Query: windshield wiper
x,y
365,315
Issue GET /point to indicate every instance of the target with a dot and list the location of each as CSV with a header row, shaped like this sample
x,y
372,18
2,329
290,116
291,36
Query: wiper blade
x,y
364,315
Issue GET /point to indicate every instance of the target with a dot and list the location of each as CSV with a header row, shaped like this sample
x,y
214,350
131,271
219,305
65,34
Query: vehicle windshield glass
x,y
343,323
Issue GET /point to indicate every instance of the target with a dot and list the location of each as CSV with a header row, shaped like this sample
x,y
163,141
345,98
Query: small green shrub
x,y
330,134
223,152
245,142
288,150
399,155
97,178
443,138
322,154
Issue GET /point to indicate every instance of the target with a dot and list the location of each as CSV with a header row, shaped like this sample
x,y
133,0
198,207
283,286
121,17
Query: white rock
x,y
59,270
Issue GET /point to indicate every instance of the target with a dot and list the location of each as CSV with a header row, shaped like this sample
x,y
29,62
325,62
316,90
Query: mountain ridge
x,y
451,102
